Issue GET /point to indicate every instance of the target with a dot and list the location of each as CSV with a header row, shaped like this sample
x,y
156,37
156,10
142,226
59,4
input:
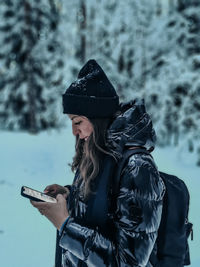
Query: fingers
x,y
50,188
65,195
60,198
40,205
41,212
63,190
43,207
54,189
35,204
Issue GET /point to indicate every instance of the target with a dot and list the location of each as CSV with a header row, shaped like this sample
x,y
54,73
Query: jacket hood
x,y
133,127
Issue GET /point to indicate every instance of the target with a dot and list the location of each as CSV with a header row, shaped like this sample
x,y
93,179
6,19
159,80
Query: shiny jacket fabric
x,y
129,235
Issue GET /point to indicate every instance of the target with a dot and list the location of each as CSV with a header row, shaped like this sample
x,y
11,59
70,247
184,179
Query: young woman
x,y
96,228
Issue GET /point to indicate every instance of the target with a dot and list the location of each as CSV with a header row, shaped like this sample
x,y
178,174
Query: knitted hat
x,y
92,94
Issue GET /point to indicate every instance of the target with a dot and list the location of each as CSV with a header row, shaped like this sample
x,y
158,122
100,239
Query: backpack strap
x,y
126,155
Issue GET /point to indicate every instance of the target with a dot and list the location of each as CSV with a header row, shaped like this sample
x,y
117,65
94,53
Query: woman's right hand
x,y
55,189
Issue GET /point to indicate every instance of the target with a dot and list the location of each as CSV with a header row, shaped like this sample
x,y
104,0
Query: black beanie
x,y
92,94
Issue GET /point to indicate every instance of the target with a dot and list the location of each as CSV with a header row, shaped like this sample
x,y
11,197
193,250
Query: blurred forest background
x,y
148,48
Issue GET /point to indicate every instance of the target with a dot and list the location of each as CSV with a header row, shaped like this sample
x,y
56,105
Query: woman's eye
x,y
77,123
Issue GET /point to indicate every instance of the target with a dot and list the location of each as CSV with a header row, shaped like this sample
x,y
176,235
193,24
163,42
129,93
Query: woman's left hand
x,y
57,213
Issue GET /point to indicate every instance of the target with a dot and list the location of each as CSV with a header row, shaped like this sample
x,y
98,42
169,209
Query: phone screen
x,y
36,195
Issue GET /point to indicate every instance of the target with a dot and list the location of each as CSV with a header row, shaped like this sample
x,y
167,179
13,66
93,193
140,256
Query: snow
x,y
26,237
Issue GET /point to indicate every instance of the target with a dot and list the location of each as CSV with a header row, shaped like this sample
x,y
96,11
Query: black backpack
x,y
174,229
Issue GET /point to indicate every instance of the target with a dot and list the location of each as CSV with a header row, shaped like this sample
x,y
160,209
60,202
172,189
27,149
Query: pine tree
x,y
29,64
74,24
174,79
116,35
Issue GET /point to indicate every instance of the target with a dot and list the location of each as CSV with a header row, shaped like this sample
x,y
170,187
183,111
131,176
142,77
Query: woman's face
x,y
81,126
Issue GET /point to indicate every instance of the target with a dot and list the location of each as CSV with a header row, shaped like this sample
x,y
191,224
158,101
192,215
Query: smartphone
x,y
36,195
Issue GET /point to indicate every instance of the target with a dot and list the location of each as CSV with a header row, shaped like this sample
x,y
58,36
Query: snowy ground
x,y
26,237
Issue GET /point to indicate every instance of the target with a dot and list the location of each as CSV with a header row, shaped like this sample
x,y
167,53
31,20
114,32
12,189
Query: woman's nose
x,y
75,130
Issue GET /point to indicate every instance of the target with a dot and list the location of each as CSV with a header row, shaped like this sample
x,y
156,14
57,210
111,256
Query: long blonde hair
x,y
88,155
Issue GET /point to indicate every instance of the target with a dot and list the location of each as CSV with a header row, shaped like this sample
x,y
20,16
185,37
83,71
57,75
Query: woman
x,y
96,228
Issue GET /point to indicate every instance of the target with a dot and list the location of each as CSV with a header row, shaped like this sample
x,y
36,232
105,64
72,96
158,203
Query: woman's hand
x,y
57,213
55,189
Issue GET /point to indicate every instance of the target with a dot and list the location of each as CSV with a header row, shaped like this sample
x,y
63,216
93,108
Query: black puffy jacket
x,y
127,237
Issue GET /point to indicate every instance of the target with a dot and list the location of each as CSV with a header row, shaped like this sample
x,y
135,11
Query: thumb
x,y
60,198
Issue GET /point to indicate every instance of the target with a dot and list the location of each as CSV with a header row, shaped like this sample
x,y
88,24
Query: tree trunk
x,y
158,7
32,127
172,5
83,26
143,64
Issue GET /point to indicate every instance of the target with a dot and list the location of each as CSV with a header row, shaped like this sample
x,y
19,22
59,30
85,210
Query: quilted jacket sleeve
x,y
139,207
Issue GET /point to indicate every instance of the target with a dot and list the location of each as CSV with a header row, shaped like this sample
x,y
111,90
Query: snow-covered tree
x,y
117,38
172,86
31,63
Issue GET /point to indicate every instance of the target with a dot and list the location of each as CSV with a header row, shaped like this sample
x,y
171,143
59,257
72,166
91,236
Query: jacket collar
x,y
133,127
